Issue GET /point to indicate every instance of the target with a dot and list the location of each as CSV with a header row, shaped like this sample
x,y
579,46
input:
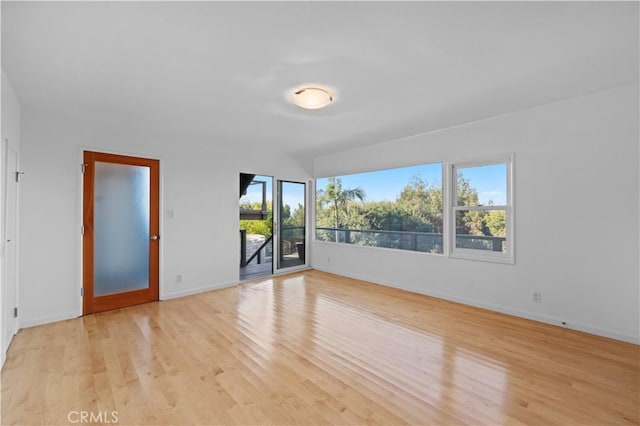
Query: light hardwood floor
x,y
314,348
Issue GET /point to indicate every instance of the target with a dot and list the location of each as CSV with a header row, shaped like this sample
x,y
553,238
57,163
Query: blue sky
x,y
293,193
254,192
383,185
386,185
489,181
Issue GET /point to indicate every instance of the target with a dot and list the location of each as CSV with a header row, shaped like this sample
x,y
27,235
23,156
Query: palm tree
x,y
338,198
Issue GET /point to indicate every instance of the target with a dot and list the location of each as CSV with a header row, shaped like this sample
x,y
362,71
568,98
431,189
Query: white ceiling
x,y
223,69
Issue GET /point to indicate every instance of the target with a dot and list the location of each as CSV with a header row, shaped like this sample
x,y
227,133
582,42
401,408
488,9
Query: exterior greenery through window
x,y
404,209
398,208
482,219
259,229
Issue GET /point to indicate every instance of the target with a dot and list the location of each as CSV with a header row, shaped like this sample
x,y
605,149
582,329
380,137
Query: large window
x,y
398,208
405,209
481,215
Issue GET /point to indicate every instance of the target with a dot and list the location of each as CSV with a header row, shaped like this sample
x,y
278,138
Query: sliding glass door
x,y
256,226
291,242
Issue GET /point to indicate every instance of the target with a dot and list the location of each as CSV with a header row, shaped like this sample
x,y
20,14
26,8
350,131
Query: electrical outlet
x,y
179,278
328,259
537,297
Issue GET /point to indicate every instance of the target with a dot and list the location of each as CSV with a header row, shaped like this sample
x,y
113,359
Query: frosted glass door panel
x,y
121,228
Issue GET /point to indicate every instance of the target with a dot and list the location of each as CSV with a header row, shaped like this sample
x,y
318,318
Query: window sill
x,y
482,256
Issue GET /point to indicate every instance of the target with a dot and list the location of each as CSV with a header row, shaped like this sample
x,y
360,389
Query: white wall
x,y
576,195
576,178
10,113
198,181
11,132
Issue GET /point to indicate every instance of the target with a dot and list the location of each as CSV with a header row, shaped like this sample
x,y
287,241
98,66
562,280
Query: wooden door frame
x,y
107,302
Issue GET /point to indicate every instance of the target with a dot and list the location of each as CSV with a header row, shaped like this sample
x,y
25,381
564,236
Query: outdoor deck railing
x,y
406,240
290,238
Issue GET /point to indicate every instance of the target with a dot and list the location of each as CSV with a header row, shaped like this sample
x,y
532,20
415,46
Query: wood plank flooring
x,y
315,348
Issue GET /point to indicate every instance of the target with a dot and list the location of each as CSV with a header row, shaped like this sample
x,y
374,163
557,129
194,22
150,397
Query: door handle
x,y
154,237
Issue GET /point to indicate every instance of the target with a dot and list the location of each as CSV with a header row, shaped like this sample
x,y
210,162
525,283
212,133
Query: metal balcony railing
x,y
407,240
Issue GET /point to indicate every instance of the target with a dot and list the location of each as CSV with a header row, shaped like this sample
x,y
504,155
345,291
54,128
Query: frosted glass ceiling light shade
x,y
312,97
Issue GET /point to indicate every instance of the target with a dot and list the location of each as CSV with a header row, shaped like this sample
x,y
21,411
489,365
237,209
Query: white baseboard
x,y
32,322
191,291
563,323
586,328
219,286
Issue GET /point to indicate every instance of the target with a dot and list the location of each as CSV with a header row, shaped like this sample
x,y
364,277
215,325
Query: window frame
x,y
452,208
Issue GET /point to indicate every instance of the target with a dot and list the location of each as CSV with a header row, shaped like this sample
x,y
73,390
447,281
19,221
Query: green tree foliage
x,y
496,223
470,222
386,215
265,227
467,196
262,227
297,217
418,208
338,199
423,202
285,213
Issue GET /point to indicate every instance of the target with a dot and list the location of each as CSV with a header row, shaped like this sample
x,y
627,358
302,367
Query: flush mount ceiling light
x,y
312,97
